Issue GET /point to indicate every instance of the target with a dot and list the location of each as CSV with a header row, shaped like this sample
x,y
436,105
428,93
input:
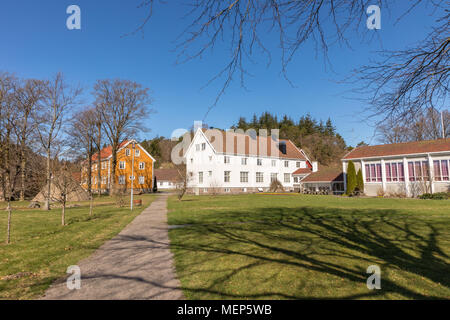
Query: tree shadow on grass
x,y
336,244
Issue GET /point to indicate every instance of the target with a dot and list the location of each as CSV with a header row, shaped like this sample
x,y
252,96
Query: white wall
x,y
208,160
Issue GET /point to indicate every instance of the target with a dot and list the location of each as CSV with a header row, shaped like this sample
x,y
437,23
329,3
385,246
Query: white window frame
x,y
226,176
286,163
127,152
200,177
259,177
243,177
122,179
203,146
287,178
244,161
226,159
259,162
141,180
141,165
122,165
137,153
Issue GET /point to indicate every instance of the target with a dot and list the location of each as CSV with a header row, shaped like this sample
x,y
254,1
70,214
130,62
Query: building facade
x,y
219,162
408,169
168,179
140,175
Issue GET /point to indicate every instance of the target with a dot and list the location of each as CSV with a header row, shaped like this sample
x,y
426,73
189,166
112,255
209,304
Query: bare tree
x,y
184,178
58,99
64,184
426,126
27,96
82,130
123,106
410,78
8,167
405,84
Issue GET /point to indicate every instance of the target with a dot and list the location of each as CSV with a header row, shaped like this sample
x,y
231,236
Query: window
x,y
286,164
274,163
210,173
441,170
192,160
373,172
226,176
121,179
104,165
141,180
418,170
127,152
227,190
287,177
203,146
210,158
259,162
122,165
297,164
104,180
141,165
394,172
200,177
273,177
197,147
244,161
259,177
226,159
244,176
131,177
295,179
137,152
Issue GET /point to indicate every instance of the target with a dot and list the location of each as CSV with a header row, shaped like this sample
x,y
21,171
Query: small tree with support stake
x,y
155,185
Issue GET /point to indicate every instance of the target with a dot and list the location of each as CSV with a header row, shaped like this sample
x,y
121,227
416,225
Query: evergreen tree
x,y
351,177
360,181
155,185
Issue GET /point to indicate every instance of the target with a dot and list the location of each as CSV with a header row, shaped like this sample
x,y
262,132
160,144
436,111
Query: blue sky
x,y
36,43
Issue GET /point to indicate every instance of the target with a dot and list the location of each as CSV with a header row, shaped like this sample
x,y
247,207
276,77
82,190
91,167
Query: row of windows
x,y
122,165
417,171
202,145
122,179
259,162
137,152
244,177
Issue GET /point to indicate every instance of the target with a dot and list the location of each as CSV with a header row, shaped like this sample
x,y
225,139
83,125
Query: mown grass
x,y
42,249
301,246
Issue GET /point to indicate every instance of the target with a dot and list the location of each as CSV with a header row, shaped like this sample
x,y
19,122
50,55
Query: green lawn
x,y
300,246
42,249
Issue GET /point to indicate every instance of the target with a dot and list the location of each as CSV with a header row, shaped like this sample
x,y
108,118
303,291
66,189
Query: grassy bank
x,y
299,246
42,249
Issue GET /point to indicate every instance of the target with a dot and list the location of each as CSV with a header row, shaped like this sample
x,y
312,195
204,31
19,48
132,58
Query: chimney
x,y
315,166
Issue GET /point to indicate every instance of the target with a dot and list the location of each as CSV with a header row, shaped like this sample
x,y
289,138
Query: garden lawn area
x,y
295,246
42,249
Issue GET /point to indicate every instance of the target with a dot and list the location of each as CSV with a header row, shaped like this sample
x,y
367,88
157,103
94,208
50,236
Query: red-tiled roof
x,y
167,175
107,151
325,174
259,146
399,149
302,171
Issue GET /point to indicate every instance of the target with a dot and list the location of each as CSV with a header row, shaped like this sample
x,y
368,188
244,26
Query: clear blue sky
x,y
36,43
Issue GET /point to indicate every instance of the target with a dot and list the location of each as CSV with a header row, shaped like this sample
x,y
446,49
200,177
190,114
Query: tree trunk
x,y
63,216
23,165
113,170
49,178
91,205
8,231
99,160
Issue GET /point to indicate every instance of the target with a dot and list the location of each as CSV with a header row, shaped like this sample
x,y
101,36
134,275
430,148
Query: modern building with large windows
x,y
409,168
230,162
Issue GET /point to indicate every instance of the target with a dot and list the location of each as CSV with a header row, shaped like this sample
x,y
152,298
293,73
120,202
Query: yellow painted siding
x,y
143,166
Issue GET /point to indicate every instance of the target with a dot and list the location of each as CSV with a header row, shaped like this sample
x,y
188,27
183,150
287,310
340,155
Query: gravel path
x,y
136,264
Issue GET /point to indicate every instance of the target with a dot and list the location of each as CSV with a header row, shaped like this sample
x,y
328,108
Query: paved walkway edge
x,y
135,264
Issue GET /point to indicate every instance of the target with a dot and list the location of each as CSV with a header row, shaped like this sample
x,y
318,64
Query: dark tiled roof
x,y
399,149
325,174
167,175
107,151
302,171
261,146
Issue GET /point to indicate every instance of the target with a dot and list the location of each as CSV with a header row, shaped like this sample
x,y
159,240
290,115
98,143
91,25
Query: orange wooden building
x,y
143,168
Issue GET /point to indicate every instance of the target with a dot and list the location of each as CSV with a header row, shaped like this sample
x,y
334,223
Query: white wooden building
x,y
219,162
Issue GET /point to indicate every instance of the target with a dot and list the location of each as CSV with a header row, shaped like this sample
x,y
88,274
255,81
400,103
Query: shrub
x,y
276,186
360,181
435,196
380,192
351,177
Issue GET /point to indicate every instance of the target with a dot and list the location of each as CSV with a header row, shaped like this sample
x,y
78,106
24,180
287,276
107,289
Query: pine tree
x,y
359,181
351,177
